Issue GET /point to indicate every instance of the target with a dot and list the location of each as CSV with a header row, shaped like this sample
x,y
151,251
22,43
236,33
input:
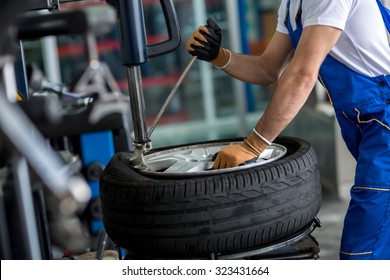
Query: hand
x,y
205,44
234,155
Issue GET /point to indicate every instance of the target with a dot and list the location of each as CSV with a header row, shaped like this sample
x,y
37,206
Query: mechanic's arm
x,y
298,80
205,43
292,91
266,68
293,87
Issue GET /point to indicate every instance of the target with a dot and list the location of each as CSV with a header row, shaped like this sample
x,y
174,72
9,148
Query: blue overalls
x,y
362,107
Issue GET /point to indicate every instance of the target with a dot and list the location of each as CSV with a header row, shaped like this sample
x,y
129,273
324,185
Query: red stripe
x,y
151,82
104,46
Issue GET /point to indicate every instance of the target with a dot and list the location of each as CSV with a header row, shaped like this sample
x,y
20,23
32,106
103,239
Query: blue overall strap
x,y
385,14
287,19
298,17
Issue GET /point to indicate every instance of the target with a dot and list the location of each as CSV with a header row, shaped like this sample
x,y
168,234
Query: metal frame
x,y
274,246
262,252
24,148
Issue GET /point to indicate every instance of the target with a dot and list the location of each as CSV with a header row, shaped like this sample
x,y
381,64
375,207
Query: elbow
x,y
267,72
308,80
269,79
272,79
304,78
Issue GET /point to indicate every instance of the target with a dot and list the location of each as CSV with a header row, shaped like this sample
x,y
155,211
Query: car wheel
x,y
180,207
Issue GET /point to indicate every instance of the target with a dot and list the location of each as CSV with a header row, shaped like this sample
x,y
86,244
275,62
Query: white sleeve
x,y
282,17
326,12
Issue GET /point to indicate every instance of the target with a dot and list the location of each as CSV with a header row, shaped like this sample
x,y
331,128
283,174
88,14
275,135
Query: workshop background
x,y
209,104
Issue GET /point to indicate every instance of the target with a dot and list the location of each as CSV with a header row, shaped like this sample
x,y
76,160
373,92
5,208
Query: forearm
x,y
298,80
289,97
205,43
250,69
266,68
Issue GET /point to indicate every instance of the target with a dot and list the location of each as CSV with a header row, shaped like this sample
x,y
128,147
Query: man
x,y
343,43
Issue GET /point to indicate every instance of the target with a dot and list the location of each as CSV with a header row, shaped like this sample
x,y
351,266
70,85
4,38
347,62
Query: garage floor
x,y
328,236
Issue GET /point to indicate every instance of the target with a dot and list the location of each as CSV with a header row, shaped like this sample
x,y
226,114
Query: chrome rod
x,y
171,95
137,104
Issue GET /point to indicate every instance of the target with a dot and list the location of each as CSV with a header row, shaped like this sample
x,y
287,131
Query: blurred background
x,y
209,104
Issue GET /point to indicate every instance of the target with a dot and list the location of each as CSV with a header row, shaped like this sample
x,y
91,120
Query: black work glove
x,y
205,43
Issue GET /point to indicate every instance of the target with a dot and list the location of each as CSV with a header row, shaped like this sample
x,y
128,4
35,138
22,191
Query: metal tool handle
x,y
134,49
87,20
173,31
171,95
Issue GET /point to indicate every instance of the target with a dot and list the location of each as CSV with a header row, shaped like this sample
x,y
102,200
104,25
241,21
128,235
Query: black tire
x,y
195,215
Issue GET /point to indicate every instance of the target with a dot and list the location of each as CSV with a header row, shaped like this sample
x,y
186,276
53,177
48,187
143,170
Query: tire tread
x,y
238,210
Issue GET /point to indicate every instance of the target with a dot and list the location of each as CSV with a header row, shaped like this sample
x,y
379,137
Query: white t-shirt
x,y
363,45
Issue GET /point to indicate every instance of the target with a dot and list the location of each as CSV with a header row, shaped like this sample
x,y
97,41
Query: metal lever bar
x,y
171,95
